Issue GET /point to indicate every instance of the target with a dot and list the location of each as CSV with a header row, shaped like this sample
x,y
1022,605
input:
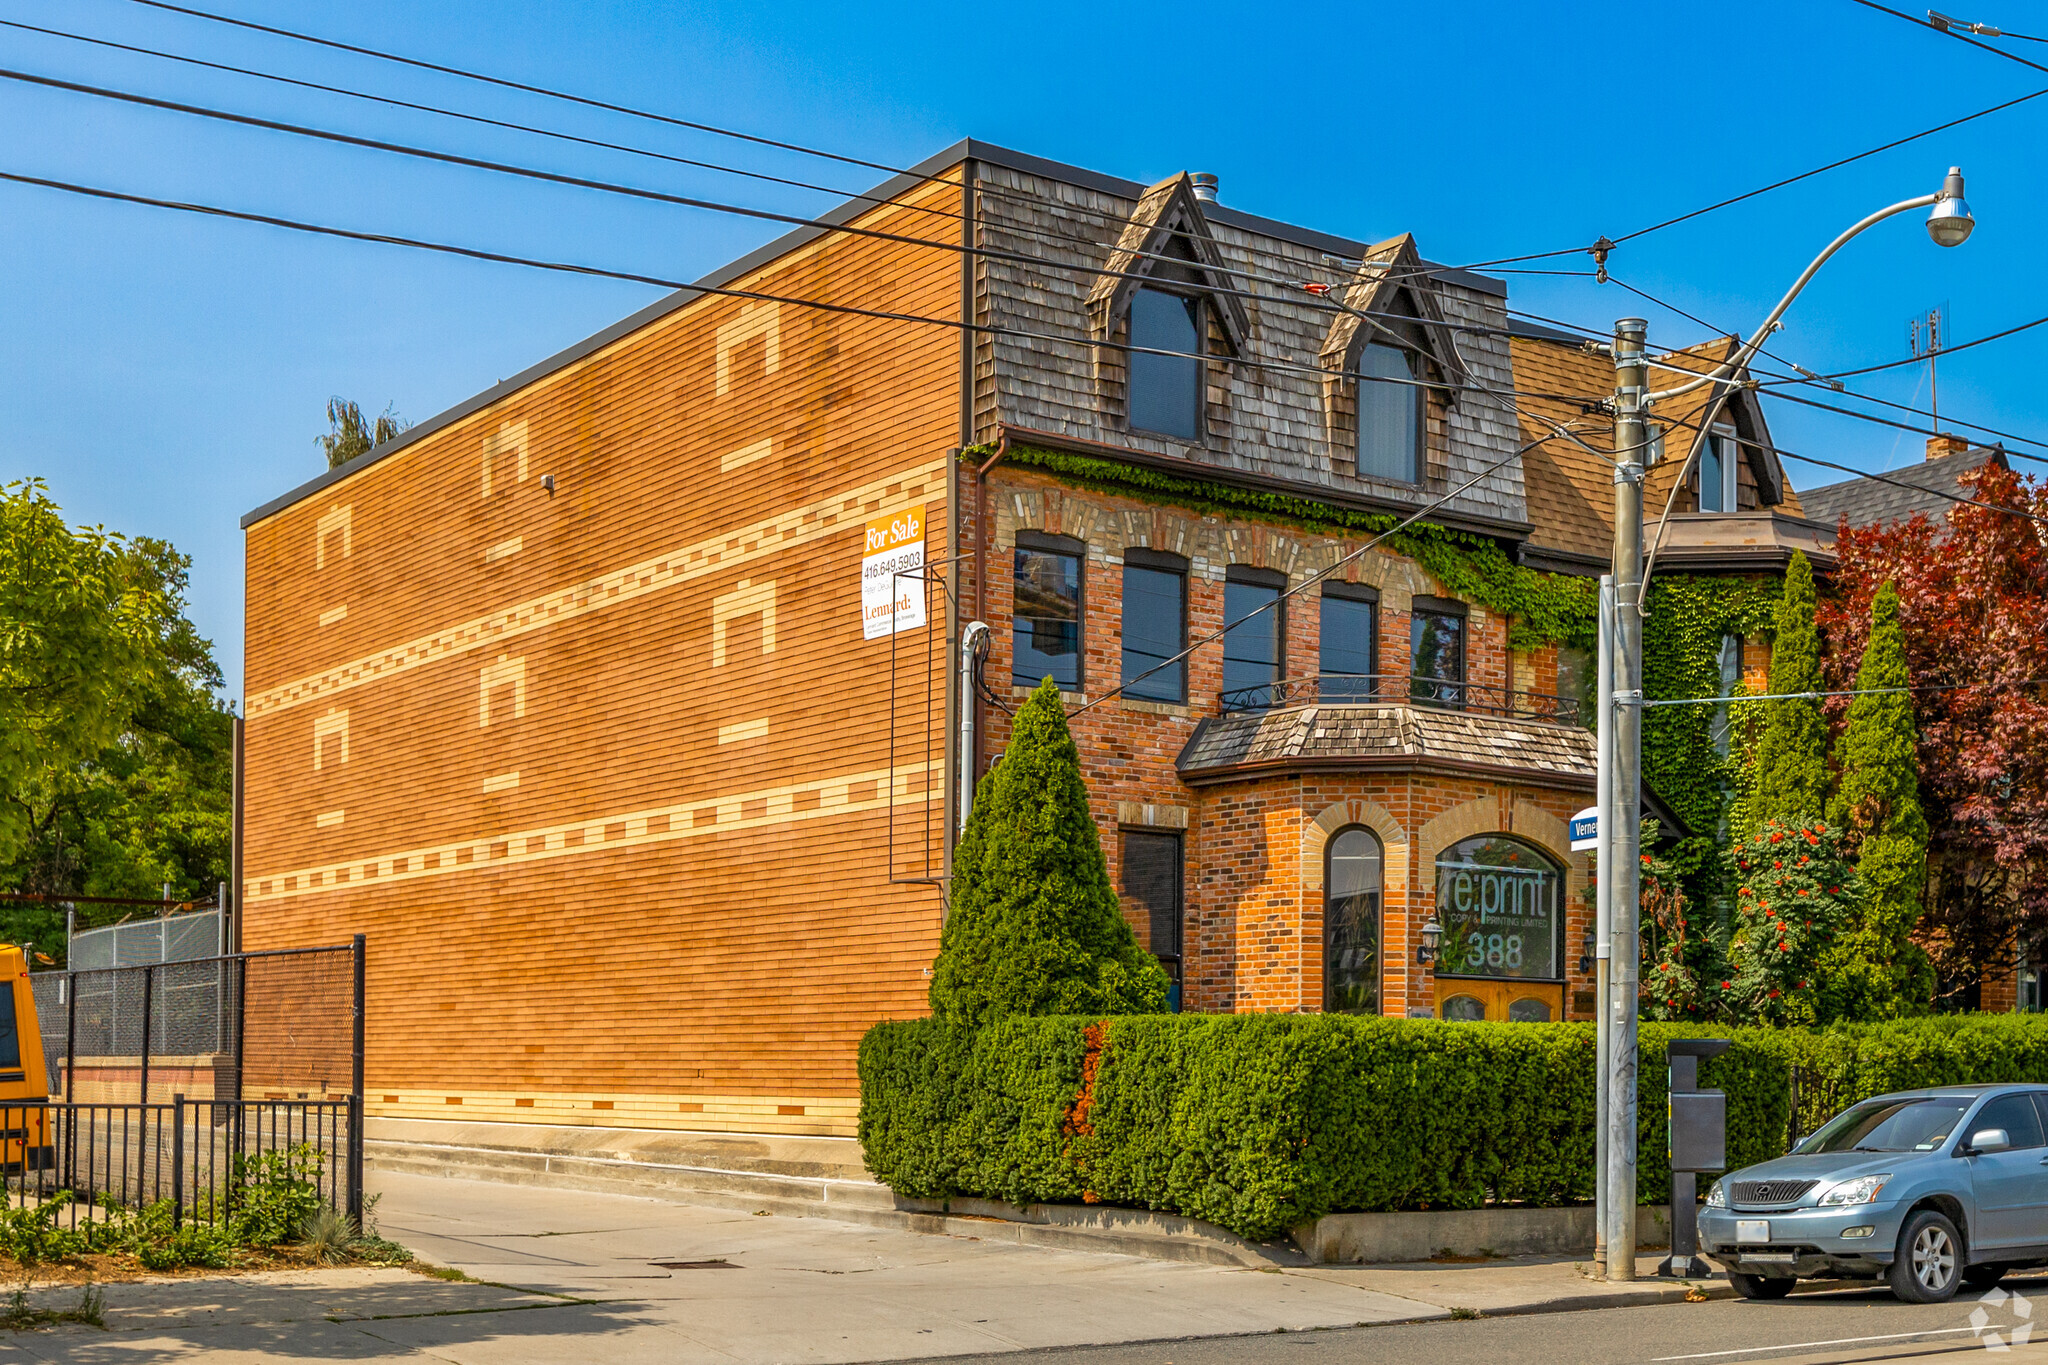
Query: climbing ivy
x,y
1542,608
1681,658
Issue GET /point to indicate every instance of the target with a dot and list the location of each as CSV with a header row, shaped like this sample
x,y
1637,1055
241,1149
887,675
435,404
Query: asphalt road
x,y
1847,1325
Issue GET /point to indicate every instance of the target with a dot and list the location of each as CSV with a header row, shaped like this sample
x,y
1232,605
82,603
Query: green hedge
x,y
1260,1122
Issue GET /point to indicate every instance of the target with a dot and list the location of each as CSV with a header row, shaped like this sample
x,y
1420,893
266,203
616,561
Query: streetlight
x,y
1621,689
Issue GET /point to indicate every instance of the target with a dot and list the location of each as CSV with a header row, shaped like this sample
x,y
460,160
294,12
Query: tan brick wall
x,y
604,773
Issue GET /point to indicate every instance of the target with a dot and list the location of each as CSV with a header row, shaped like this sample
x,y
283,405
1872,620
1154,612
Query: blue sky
x,y
166,373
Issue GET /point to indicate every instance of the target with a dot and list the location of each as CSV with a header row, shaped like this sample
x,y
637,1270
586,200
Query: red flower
x,y
1834,891
1784,947
1777,864
1774,995
1726,985
1811,837
1776,837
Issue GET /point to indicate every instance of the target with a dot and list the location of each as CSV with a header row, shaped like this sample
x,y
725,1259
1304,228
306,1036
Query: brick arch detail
x,y
1531,824
1316,834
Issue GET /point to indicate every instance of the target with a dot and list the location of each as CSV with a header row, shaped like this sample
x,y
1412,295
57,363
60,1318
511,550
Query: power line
x,y
1816,696
651,116
1904,426
1959,37
1832,165
1313,299
1946,350
631,277
467,117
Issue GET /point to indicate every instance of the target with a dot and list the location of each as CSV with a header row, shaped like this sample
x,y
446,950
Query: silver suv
x,y
1929,1189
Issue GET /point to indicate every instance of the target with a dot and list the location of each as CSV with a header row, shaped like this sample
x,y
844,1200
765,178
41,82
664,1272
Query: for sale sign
x,y
895,547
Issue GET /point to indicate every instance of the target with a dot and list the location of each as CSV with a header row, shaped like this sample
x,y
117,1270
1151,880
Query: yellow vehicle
x,y
24,1076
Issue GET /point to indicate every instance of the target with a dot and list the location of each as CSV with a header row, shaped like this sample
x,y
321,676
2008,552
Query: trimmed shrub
x,y
1033,926
1262,1122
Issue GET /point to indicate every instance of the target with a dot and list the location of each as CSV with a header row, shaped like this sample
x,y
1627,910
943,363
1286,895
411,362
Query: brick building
x,y
615,704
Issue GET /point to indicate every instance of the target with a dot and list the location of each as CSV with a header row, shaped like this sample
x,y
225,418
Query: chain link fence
x,y
168,1075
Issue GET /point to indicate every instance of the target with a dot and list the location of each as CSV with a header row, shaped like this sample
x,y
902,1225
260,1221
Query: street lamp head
x,y
1949,221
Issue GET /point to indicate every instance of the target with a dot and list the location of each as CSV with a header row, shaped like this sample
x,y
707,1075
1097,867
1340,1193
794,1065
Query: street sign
x,y
1586,829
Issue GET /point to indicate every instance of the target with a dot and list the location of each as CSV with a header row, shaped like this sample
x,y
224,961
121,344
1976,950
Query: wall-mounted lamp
x,y
1586,946
1432,935
547,481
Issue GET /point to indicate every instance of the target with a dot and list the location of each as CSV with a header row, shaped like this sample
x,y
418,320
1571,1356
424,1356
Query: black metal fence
x,y
1382,689
181,1080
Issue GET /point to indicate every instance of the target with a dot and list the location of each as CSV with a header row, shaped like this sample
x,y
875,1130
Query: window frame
x,y
1449,607
1725,443
1042,542
1247,575
1379,910
1559,908
1418,395
1176,973
1200,360
1368,595
1156,561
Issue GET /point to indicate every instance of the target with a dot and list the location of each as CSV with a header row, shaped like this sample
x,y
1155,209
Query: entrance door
x,y
1520,1002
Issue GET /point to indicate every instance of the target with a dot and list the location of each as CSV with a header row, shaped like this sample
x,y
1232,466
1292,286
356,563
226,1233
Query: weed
x,y
326,1235
443,1272
1465,1314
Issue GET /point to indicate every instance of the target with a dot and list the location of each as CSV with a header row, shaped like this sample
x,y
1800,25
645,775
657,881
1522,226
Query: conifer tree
x,y
1034,926
1875,970
1792,752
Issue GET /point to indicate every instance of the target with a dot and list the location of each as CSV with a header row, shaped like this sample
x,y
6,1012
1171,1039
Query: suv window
x,y
1890,1126
2015,1114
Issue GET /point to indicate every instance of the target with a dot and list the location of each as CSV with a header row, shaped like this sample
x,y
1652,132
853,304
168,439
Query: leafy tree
x,y
149,807
1874,969
350,434
83,626
1791,756
1034,926
1973,593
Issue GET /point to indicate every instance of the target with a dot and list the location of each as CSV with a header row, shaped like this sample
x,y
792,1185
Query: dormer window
x,y
1390,414
1168,321
1166,390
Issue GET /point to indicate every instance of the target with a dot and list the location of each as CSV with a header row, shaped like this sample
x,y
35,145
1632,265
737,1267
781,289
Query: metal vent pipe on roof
x,y
1204,186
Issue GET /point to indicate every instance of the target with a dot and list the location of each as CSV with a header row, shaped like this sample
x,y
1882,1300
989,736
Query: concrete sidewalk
x,y
646,1280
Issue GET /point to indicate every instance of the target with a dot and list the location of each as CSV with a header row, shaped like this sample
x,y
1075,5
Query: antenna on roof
x,y
1928,344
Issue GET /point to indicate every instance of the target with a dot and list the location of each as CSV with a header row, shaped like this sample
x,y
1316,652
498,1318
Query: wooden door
x,y
1499,1000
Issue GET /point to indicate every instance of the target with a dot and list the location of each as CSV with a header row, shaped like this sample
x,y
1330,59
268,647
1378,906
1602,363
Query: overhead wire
x,y
633,277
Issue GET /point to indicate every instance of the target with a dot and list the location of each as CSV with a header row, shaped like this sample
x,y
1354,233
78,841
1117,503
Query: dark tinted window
x,y
1166,390
1890,1126
10,1036
1346,652
1251,648
1152,878
1155,616
1047,619
1436,642
2015,1114
1351,924
1389,414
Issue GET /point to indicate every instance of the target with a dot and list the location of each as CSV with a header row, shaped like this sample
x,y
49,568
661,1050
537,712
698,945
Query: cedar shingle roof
x,y
1166,210
1868,502
1570,489
1380,736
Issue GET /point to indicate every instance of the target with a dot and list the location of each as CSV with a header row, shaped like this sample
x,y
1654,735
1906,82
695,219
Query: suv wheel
x,y
1929,1260
1761,1286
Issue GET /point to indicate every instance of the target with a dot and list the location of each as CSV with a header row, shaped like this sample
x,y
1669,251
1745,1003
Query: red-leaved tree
x,y
1973,604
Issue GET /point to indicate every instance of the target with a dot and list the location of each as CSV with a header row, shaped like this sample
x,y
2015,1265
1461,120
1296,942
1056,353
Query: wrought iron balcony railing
x,y
1398,689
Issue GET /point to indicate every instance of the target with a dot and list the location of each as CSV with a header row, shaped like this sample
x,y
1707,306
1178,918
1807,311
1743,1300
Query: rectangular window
x,y
1436,650
1155,626
1152,878
1047,617
1348,654
1389,415
1165,391
1730,677
1718,456
1251,643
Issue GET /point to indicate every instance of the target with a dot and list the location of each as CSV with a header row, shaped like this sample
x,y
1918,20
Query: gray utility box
x,y
1699,1130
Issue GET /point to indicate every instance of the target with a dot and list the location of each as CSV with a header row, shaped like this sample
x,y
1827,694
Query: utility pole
x,y
1620,824
1603,923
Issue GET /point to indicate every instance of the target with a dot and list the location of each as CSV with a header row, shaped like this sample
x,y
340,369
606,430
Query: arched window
x,y
1501,904
1351,923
